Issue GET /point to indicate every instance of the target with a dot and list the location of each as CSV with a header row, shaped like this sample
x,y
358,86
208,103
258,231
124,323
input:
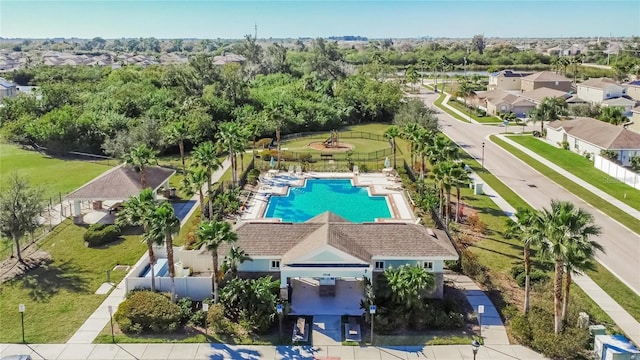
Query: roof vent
x,y
430,232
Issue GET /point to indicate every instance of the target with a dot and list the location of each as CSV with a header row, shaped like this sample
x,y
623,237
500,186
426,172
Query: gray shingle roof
x,y
120,183
363,241
599,133
546,76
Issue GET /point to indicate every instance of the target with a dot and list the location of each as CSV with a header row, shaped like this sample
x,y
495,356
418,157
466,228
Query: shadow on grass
x,y
496,252
47,280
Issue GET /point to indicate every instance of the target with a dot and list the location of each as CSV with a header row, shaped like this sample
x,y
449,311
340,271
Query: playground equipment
x,y
332,141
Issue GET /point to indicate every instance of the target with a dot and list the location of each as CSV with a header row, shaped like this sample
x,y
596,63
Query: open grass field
x,y
59,297
54,175
582,168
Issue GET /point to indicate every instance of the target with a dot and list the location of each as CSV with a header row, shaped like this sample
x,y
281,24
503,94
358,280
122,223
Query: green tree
x,y
137,211
164,224
525,227
411,76
392,133
460,178
634,163
565,231
407,283
464,90
549,109
205,156
212,234
579,258
20,207
177,133
613,115
139,157
236,256
442,174
478,43
414,111
232,138
192,184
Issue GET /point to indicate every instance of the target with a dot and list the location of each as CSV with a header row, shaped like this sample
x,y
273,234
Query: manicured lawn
x,y
359,145
582,168
59,297
480,119
596,201
621,293
439,104
55,175
412,340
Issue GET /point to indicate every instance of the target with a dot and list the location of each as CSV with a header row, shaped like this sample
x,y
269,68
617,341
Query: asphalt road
x,y
622,246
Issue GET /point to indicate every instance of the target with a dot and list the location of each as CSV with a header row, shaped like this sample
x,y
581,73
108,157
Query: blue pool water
x,y
320,195
160,269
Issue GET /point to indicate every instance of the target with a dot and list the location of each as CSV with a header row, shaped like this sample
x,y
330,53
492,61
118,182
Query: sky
x,y
233,19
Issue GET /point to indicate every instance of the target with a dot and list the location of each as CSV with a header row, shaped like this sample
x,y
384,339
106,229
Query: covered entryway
x,y
309,297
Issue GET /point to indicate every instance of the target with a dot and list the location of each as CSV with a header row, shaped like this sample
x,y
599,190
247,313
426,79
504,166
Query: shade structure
x,y
387,163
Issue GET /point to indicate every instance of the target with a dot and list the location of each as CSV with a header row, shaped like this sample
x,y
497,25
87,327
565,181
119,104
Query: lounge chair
x,y
300,330
352,330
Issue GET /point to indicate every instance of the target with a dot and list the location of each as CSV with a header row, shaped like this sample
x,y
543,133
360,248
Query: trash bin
x,y
172,192
477,188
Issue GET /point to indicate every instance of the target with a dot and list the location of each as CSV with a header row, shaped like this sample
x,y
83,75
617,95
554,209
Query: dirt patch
x,y
11,267
340,147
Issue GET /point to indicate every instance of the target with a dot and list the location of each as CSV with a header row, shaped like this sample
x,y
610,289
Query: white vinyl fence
x,y
617,171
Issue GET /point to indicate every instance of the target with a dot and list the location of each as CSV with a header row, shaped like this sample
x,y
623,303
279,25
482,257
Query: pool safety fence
x,y
341,135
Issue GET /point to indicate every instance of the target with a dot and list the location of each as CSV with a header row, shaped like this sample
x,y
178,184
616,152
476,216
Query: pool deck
x,y
376,183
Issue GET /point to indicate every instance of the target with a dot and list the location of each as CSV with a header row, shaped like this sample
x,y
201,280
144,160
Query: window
x,y
275,265
379,265
427,265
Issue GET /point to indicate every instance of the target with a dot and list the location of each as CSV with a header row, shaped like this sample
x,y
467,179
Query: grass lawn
x,y
55,175
481,119
59,297
596,201
455,115
620,292
359,145
582,168
427,340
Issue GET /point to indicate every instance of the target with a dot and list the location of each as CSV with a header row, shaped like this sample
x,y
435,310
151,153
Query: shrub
x,y
148,311
186,308
217,322
263,143
363,168
535,276
100,234
252,176
516,270
470,264
306,157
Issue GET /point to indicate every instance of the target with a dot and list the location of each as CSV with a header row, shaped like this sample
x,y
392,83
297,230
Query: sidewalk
x,y
247,352
92,327
621,317
603,195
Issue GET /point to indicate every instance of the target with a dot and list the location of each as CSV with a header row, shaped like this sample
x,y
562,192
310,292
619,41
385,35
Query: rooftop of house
x,y
619,101
120,183
635,83
364,241
509,73
599,83
540,93
599,133
546,76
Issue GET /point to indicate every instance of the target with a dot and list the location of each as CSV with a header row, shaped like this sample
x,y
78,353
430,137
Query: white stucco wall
x,y
597,95
555,136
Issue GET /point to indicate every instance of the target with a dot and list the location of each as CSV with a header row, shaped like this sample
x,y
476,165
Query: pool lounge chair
x,y
300,330
290,169
352,330
356,171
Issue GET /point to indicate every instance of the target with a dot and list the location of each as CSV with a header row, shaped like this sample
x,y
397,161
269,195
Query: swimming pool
x,y
160,269
320,195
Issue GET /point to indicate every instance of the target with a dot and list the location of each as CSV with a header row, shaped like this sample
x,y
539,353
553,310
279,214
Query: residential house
x,y
587,135
633,90
548,79
539,94
505,80
596,90
499,102
7,89
635,120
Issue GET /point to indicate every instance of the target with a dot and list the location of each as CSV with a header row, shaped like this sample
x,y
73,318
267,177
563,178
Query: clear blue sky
x,y
303,18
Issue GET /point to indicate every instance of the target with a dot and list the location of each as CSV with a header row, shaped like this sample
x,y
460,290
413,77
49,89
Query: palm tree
x,y
459,177
411,132
579,258
139,157
392,133
442,149
526,227
212,234
231,138
442,175
137,211
565,228
192,183
204,155
424,145
236,256
465,90
164,224
613,115
549,109
178,132
411,75
407,282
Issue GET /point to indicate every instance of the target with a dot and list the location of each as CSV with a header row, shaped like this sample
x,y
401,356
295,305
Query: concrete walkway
x,y
326,330
603,195
246,352
92,327
492,329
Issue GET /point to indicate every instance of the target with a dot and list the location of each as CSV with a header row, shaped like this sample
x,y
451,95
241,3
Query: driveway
x,y
622,246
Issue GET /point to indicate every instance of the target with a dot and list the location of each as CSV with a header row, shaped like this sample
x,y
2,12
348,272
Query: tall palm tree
x,y
139,157
192,183
565,228
164,224
230,137
392,133
178,132
424,145
550,109
526,227
465,90
442,149
137,211
212,234
236,256
442,175
411,132
204,155
579,259
460,178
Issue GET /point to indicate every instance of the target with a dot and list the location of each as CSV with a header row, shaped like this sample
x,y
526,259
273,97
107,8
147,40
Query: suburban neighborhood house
x,y
545,79
505,80
590,136
7,89
633,89
635,120
498,102
606,92
324,257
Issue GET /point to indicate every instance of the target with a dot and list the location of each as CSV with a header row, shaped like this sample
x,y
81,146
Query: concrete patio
x,y
305,298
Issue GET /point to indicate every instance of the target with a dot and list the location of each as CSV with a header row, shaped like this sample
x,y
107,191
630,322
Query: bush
x,y
217,322
306,157
252,176
100,234
516,270
186,309
363,168
536,276
148,311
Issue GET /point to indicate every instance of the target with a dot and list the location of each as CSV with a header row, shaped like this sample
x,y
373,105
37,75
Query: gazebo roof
x,y
120,183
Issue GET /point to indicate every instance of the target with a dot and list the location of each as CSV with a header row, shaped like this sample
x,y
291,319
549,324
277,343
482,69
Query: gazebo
x,y
118,184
